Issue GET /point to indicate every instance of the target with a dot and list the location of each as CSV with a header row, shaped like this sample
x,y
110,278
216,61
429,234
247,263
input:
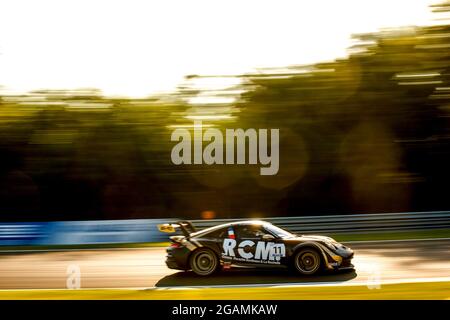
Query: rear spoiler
x,y
185,226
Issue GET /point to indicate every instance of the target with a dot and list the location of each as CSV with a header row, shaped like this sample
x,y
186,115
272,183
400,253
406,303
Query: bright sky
x,y
136,48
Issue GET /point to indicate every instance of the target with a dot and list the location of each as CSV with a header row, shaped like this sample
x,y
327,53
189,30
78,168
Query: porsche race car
x,y
252,244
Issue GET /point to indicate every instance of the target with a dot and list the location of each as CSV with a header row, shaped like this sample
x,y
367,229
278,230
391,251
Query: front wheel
x,y
204,262
307,261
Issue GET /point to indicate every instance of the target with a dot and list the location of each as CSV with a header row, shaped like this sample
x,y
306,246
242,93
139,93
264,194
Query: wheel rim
x,y
205,262
307,262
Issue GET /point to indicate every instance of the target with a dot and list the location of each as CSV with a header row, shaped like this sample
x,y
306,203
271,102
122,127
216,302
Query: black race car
x,y
252,243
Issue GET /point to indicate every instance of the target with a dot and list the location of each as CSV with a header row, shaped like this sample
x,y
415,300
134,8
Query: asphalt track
x,y
385,261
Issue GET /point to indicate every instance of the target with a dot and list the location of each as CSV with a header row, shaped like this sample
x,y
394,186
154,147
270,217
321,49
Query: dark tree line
x,y
369,133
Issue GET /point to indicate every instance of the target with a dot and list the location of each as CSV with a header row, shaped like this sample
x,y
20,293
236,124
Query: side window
x,y
250,232
221,233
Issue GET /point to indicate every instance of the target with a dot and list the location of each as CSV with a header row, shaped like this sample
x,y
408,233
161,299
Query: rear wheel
x,y
307,261
204,262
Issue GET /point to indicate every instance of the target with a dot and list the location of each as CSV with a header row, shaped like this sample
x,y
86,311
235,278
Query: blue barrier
x,y
81,232
23,233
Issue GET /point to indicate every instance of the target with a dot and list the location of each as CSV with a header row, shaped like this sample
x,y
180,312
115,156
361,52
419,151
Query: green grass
x,y
398,235
409,291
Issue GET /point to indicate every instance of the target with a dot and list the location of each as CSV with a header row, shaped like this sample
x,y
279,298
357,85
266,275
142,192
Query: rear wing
x,y
185,226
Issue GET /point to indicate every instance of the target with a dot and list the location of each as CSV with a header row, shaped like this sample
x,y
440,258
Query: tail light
x,y
175,245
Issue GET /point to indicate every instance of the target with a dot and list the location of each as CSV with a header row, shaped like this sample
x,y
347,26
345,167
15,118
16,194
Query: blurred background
x,y
365,130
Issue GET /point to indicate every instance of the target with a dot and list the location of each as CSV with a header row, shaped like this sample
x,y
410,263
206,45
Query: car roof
x,y
255,222
224,225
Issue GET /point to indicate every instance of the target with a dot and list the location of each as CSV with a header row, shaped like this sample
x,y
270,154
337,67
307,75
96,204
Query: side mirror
x,y
268,237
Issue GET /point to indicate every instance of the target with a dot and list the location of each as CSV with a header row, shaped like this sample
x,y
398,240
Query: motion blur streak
x,y
362,134
143,268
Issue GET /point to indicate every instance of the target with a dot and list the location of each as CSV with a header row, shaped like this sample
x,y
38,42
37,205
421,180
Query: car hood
x,y
315,238
336,247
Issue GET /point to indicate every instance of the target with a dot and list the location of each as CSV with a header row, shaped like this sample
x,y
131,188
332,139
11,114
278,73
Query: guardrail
x,y
359,223
145,230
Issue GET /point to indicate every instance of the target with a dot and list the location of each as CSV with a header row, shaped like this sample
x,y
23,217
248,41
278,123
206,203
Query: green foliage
x,y
368,133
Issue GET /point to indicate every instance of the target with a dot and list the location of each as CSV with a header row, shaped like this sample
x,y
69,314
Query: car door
x,y
253,244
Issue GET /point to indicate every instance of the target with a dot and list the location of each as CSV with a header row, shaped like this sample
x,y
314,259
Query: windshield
x,y
278,231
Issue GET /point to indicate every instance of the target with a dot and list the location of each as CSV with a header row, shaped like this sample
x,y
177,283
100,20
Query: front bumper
x,y
340,259
346,264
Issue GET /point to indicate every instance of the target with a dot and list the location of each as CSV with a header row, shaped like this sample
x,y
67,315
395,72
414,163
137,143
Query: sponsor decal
x,y
249,251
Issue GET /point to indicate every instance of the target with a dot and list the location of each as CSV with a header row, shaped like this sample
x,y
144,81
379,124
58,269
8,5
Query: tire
x,y
307,261
204,262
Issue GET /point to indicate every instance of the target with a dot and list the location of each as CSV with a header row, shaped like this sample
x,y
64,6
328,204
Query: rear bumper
x,y
177,258
171,264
